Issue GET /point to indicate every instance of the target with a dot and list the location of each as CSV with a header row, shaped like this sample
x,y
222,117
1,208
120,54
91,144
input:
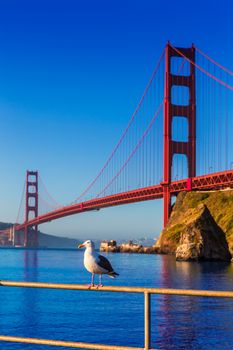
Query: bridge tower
x,y
188,111
31,240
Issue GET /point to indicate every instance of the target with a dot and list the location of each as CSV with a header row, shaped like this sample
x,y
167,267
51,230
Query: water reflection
x,y
30,297
175,313
31,265
181,317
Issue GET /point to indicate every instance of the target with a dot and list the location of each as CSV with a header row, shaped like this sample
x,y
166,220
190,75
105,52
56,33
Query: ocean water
x,y
114,318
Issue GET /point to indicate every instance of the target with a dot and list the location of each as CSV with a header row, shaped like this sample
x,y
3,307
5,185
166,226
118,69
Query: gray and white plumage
x,y
95,263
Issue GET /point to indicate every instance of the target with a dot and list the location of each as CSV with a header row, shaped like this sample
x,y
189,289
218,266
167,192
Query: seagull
x,y
95,263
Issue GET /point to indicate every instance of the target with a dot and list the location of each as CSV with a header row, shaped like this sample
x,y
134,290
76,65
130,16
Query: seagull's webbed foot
x,y
89,286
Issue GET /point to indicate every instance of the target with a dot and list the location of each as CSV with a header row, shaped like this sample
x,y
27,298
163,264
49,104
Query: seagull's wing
x,y
104,263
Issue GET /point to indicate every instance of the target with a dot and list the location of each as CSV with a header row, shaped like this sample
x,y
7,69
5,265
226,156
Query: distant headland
x,y
45,240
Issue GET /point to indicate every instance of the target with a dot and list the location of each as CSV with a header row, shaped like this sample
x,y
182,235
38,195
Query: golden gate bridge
x,y
179,138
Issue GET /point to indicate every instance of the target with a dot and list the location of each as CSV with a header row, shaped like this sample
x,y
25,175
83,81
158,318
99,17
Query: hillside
x,y
220,205
48,241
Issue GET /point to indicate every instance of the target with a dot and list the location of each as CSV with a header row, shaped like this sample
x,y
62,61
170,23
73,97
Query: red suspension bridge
x,y
179,138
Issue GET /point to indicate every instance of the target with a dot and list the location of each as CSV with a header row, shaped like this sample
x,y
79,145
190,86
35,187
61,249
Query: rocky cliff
x,y
200,226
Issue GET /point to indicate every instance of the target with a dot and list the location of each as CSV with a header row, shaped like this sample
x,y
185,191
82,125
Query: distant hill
x,y
48,241
4,225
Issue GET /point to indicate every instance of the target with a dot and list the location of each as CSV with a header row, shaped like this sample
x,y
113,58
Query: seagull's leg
x,y
100,281
92,281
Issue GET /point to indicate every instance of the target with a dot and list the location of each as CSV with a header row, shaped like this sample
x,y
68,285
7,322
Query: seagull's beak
x,y
81,245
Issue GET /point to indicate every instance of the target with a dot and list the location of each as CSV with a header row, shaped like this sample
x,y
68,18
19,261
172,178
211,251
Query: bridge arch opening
x,y
179,66
180,95
31,214
32,201
179,167
180,128
31,189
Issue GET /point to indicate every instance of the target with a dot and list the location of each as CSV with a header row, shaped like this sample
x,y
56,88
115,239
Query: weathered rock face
x,y
203,239
192,226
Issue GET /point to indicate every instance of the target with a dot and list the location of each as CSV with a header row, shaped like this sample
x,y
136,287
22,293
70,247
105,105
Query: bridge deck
x,y
207,182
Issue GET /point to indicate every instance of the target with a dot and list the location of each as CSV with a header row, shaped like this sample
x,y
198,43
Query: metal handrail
x,y
61,343
147,310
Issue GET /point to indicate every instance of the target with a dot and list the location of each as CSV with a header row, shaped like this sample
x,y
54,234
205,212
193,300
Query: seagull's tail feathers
x,y
113,274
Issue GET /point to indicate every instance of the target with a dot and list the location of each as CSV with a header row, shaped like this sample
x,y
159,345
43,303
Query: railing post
x,y
147,320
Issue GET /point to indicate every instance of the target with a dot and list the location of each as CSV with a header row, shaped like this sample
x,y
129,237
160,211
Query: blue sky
x,y
71,74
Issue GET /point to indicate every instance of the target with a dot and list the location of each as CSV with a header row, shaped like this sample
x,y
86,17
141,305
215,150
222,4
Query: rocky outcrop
x,y
109,246
203,239
129,247
199,226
